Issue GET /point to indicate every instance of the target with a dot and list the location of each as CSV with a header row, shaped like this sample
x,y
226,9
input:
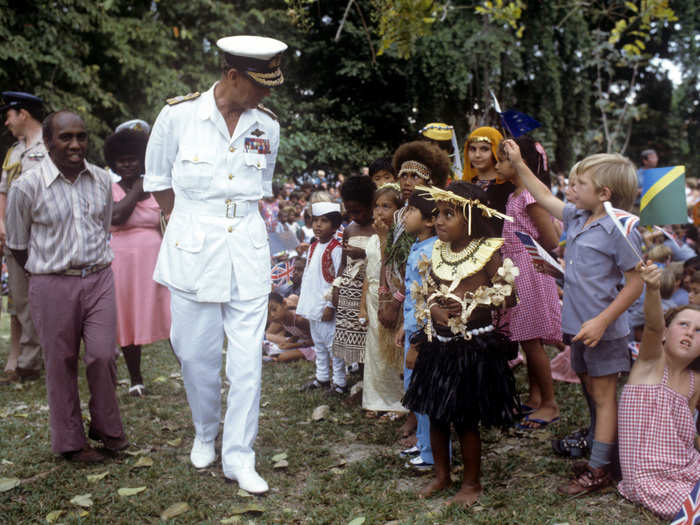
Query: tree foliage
x,y
362,76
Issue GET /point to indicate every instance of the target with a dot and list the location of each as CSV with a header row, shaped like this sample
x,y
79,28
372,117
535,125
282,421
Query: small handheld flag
x,y
514,122
538,254
630,220
281,273
690,510
663,196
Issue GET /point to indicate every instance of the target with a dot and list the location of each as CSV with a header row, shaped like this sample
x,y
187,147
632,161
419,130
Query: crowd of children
x,y
426,288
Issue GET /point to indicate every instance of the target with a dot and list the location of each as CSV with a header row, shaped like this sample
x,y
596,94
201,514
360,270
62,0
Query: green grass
x,y
340,468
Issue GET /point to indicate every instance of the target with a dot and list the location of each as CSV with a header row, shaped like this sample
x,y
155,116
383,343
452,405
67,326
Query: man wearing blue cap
x,y
23,114
209,161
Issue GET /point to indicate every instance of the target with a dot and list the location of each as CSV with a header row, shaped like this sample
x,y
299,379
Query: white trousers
x,y
322,335
197,335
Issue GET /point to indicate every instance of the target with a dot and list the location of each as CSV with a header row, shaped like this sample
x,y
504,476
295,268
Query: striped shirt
x,y
62,224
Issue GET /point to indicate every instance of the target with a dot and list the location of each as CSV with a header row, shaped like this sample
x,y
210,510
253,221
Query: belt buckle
x,y
230,210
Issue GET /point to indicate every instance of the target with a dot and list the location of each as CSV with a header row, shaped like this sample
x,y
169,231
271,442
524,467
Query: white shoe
x,y
249,480
203,453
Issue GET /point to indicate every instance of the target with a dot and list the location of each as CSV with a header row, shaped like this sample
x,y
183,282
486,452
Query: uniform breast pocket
x,y
195,171
256,160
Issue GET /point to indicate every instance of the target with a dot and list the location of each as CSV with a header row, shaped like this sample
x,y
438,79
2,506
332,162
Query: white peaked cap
x,y
258,47
321,208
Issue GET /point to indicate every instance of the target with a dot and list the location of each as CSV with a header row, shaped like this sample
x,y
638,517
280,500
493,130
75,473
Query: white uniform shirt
x,y
216,239
312,301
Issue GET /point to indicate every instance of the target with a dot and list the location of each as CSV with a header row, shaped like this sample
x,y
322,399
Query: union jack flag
x,y
633,347
339,234
627,220
281,273
690,510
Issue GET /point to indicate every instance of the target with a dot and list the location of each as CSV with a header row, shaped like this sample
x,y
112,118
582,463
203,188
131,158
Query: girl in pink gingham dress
x,y
536,319
656,432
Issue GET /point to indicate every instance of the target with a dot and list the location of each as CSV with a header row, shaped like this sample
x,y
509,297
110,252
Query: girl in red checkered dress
x,y
537,317
660,465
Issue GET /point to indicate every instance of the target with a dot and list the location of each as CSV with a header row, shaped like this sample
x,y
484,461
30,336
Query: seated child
x,y
298,344
459,358
656,434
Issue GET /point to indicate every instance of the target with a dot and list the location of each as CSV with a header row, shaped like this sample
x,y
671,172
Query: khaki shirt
x,y
20,159
62,224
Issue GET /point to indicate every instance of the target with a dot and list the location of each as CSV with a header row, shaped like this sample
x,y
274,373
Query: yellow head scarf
x,y
483,134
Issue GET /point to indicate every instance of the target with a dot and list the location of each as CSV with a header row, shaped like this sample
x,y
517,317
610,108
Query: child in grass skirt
x,y
460,359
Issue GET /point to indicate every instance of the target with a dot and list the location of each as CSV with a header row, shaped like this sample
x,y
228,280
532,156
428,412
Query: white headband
x,y
321,208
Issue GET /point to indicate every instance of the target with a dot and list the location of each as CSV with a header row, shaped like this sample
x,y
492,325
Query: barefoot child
x,y
349,341
594,313
322,264
536,319
461,375
660,465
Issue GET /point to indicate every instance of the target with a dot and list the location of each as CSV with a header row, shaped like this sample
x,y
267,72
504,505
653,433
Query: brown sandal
x,y
590,480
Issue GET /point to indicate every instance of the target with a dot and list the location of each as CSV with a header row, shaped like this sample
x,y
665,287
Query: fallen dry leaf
x,y
8,484
97,477
232,519
175,442
160,379
127,491
82,500
279,457
22,415
252,508
283,463
243,494
320,412
357,521
141,452
174,510
144,461
53,516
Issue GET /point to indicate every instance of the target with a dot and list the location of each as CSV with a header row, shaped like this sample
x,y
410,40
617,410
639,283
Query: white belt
x,y
468,334
224,208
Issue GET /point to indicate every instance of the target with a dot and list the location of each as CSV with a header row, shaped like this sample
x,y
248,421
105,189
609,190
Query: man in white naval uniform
x,y
210,158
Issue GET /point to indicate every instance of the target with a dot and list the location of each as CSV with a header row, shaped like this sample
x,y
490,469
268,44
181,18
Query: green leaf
x,y
357,521
53,516
279,457
97,477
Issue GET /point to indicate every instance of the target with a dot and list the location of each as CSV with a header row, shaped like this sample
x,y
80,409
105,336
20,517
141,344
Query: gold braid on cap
x,y
438,195
480,139
391,186
412,166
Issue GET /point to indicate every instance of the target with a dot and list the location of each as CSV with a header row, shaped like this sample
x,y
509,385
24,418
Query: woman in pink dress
x,y
143,306
537,317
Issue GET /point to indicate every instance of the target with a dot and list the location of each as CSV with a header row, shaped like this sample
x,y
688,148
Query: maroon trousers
x,y
64,309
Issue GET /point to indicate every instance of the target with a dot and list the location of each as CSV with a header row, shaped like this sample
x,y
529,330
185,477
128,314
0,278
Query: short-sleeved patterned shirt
x,y
596,258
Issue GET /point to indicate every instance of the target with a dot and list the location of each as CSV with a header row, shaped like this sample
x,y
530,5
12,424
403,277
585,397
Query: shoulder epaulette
x,y
182,98
268,111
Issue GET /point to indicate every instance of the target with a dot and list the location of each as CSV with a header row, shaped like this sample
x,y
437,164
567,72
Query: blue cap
x,y
19,100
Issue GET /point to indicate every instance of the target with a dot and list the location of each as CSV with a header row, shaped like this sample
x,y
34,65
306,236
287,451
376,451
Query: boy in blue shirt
x,y
418,220
594,314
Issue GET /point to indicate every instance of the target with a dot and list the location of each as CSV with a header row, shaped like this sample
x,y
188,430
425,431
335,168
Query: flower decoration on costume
x,y
508,271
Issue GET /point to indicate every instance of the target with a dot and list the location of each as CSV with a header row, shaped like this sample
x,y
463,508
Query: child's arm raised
x,y
592,330
651,347
536,187
549,237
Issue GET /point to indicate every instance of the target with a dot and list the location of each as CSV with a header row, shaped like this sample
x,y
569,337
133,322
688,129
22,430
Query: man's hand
x,y
328,314
388,311
591,331
411,357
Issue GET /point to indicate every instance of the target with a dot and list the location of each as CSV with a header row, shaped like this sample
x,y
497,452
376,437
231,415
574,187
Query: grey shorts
x,y
606,358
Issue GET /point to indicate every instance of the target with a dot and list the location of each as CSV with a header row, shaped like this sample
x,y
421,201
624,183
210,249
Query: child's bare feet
x,y
434,486
468,495
409,426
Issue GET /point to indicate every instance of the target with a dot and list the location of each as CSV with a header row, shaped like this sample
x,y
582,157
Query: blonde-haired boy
x,y
660,253
594,317
612,170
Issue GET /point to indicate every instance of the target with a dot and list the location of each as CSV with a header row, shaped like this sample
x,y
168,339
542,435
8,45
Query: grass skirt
x,y
468,383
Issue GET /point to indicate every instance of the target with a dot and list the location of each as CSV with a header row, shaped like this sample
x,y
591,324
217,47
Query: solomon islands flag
x,y
663,196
